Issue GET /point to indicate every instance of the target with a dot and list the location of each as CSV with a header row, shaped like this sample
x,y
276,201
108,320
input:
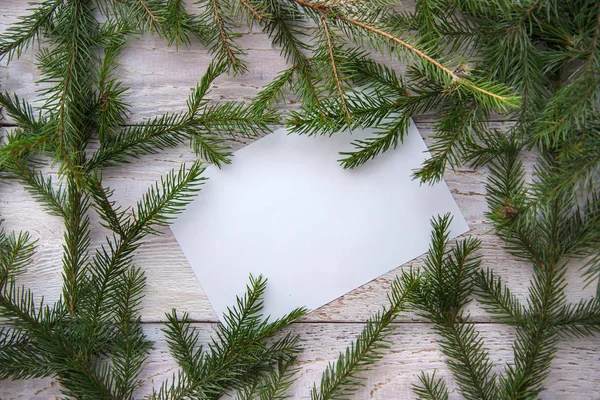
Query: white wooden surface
x,y
160,79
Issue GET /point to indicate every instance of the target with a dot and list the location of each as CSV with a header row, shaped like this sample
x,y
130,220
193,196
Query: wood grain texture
x,y
160,79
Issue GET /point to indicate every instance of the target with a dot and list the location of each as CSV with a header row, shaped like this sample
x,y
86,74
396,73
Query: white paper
x,y
286,209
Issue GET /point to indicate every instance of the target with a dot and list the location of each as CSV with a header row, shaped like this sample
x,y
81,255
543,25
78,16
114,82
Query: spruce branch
x,y
342,378
430,388
238,352
22,113
77,240
131,347
497,298
446,287
19,359
390,136
16,252
334,68
41,188
274,384
20,36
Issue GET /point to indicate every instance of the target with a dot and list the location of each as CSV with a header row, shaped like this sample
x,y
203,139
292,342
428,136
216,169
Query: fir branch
x,y
236,354
161,203
180,23
536,345
498,300
16,252
77,241
20,36
255,14
393,132
23,114
67,68
202,124
220,36
273,91
131,348
496,96
41,188
431,388
112,109
578,320
341,378
451,132
165,199
113,217
141,139
446,287
19,359
274,384
334,68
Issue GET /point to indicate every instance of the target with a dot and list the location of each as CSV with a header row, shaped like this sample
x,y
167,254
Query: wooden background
x,y
160,79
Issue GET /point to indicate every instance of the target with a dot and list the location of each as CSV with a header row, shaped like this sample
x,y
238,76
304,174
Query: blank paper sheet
x,y
286,209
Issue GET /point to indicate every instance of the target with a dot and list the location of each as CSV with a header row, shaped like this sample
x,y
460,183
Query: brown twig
x,y
334,67
252,10
154,17
219,23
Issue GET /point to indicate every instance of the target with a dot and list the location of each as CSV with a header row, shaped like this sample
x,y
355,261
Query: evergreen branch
x,y
286,34
536,345
431,388
569,108
211,148
183,343
166,198
498,300
147,11
137,140
501,102
236,354
273,91
68,68
160,204
111,107
20,36
131,347
334,68
252,11
197,99
41,189
180,23
114,218
20,146
224,37
380,77
453,129
22,113
446,287
219,36
16,252
342,378
18,306
369,148
272,385
19,359
578,320
573,170
77,241
202,124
